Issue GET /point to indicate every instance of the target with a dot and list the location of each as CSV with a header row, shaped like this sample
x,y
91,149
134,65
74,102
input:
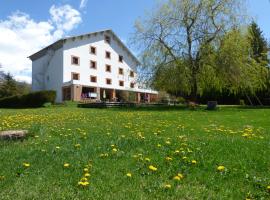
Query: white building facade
x,y
95,66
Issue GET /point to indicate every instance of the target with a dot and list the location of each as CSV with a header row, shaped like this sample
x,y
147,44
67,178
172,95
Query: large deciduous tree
x,y
191,46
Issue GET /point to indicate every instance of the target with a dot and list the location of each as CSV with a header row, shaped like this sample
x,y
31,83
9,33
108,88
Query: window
x,y
93,64
108,54
132,85
93,50
107,39
121,58
93,79
121,71
75,60
75,76
121,83
108,68
131,74
108,81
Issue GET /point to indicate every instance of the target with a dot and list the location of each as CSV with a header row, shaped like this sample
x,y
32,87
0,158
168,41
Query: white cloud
x,y
21,36
83,3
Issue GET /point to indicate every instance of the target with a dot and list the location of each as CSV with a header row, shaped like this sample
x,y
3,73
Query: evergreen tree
x,y
259,46
8,86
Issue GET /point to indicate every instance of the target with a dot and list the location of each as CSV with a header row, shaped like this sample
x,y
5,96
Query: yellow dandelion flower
x,y
84,179
26,165
83,184
221,168
57,147
167,186
158,145
180,175
85,169
268,188
77,145
177,178
66,165
194,162
129,174
86,175
151,167
147,159
168,158
114,150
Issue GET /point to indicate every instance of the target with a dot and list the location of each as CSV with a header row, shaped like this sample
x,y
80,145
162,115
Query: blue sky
x,y
28,25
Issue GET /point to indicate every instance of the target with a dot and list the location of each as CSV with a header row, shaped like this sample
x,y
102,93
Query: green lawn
x,y
107,144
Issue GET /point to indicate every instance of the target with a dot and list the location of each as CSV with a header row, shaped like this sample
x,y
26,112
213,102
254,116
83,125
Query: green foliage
x,y
10,87
242,102
210,138
179,41
240,73
259,46
31,100
127,96
181,100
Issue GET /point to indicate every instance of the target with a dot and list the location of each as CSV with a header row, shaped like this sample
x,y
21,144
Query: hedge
x,y
31,100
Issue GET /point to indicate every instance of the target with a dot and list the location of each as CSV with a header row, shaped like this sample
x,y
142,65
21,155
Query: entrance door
x,y
66,94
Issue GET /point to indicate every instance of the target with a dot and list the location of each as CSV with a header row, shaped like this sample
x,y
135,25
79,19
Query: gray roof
x,y
59,43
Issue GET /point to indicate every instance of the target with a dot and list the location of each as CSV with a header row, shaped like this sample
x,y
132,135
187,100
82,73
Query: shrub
x,y
242,102
181,100
31,100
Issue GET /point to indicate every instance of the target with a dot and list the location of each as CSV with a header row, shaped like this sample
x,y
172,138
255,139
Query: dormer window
x,y
121,58
107,39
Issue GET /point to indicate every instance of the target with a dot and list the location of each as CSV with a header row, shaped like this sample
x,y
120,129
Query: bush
x,y
242,102
31,100
181,100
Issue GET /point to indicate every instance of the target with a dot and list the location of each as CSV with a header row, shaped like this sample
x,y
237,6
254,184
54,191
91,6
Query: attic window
x,y
108,54
93,50
131,74
75,60
107,39
121,58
